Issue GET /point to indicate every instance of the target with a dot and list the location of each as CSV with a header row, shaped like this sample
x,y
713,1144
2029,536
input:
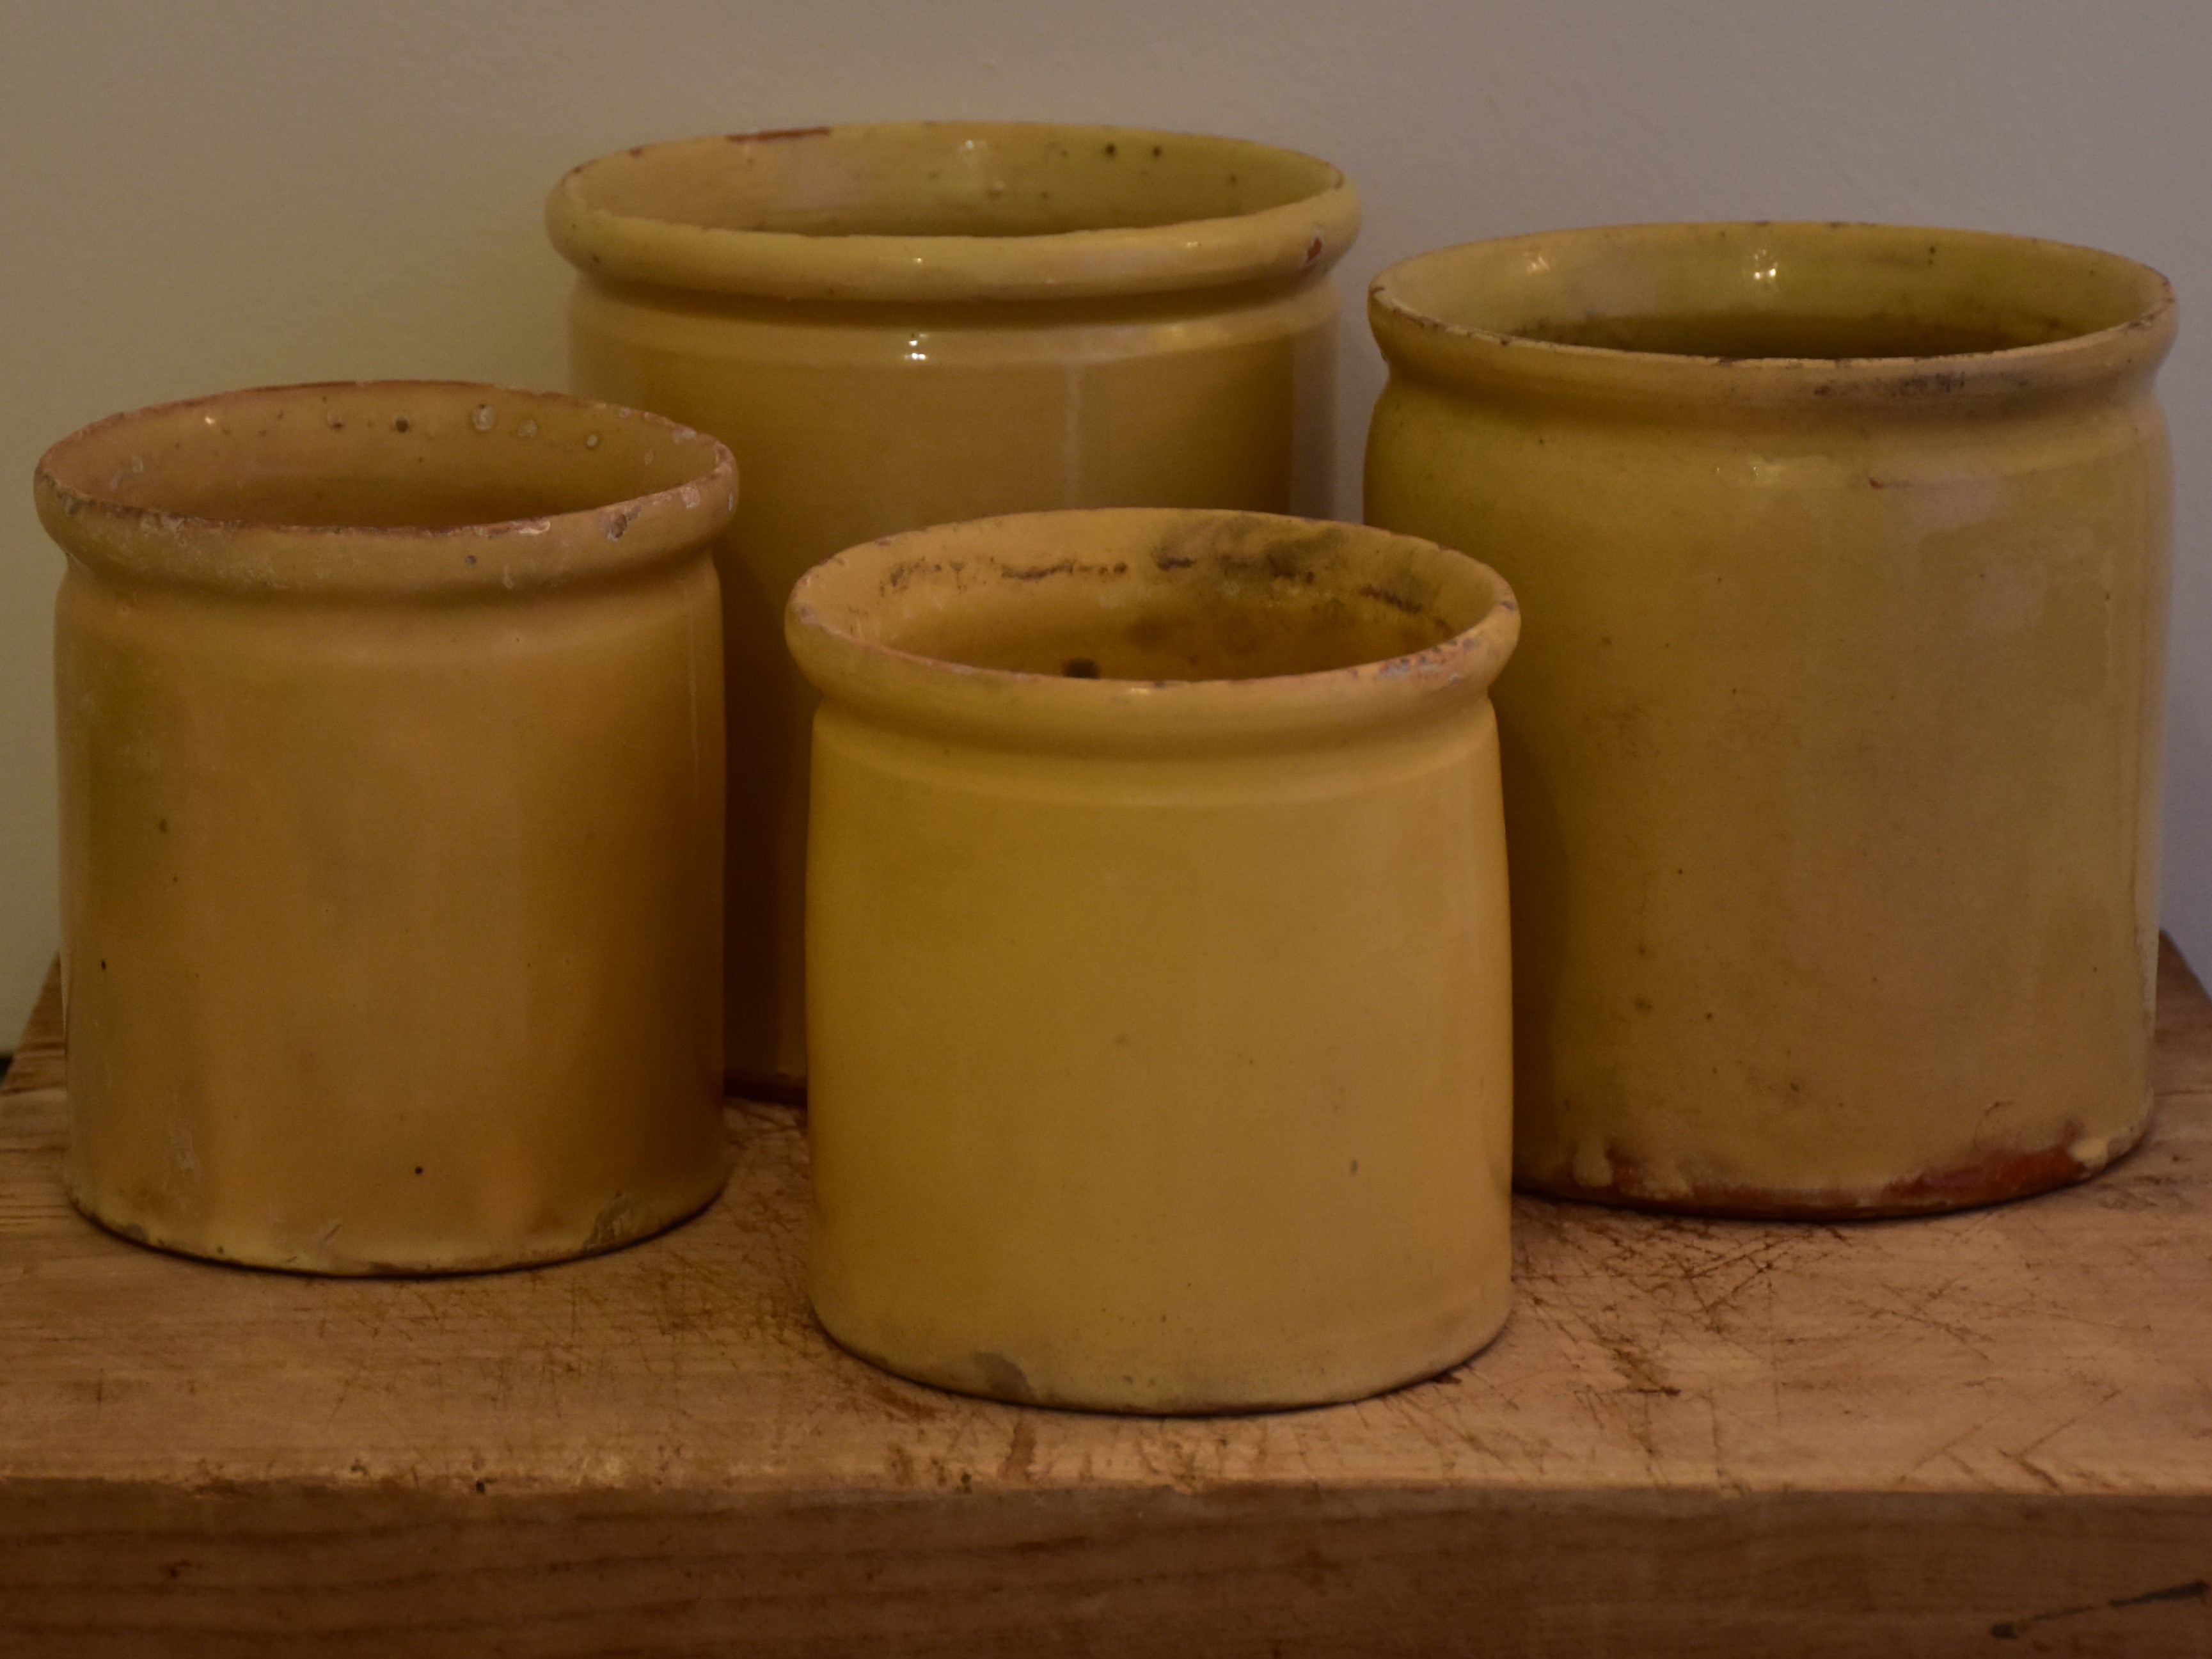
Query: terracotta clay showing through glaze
x,y
1157,980
1832,759
896,325
392,795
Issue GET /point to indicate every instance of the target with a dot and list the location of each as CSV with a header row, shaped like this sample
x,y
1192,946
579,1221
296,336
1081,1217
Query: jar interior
x,y
1818,292
943,179
1155,596
391,455
1770,334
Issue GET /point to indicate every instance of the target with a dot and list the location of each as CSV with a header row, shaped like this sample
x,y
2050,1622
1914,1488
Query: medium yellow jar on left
x,y
392,798
903,324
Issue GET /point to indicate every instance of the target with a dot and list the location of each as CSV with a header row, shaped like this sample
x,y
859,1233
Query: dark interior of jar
x,y
391,456
1222,597
1197,630
1815,292
949,179
371,501
1773,334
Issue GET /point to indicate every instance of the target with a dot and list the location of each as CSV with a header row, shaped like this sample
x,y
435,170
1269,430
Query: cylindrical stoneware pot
x,y
1832,760
900,326
391,796
1157,983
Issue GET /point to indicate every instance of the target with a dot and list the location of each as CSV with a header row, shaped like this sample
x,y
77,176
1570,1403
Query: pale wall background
x,y
216,193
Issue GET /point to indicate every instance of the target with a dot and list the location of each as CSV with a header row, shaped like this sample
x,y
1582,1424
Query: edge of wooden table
x,y
987,1529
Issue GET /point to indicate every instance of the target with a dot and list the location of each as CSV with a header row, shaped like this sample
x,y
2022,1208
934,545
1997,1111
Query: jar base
x,y
996,1377
634,1228
1993,1178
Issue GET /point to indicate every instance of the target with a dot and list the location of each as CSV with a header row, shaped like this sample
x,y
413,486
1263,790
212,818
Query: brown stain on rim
x,y
769,135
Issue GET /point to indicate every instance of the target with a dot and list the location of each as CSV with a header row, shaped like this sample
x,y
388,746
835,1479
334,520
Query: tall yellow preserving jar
x,y
390,795
1832,757
896,325
1157,983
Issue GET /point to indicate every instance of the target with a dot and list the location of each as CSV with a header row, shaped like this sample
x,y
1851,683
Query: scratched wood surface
x,y
1993,1430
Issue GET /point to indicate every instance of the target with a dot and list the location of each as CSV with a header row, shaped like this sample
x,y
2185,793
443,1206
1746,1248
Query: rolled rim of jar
x,y
944,210
1812,314
1152,630
384,488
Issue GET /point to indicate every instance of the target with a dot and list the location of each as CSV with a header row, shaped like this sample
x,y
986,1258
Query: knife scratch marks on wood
x,y
902,1401
2195,1590
2088,1410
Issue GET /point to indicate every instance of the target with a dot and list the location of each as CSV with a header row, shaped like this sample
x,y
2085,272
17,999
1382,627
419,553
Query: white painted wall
x,y
229,192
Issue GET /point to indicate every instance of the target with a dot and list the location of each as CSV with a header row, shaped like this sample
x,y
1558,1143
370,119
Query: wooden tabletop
x,y
1989,1431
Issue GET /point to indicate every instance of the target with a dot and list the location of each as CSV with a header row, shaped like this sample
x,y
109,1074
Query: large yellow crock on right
x,y
1832,751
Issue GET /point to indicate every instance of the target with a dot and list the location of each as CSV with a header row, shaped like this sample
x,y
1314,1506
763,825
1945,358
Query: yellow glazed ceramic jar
x,y
1833,759
898,326
391,796
1157,984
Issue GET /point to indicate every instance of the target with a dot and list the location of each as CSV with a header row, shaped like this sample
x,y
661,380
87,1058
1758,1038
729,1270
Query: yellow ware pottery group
x,y
391,796
1831,760
898,326
1157,985
1137,837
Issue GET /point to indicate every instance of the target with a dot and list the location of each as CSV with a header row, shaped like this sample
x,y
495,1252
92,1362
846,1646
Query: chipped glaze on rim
x,y
259,556
1012,709
1302,237
1414,336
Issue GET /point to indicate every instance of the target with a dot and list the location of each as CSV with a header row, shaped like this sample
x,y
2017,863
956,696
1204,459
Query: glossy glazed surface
x,y
392,794
1157,984
1831,758
901,325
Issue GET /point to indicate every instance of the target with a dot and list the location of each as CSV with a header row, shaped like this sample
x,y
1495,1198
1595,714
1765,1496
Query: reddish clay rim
x,y
672,490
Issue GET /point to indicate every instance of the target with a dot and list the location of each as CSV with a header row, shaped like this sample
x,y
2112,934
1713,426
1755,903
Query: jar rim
x,y
934,211
2054,316
832,624
160,493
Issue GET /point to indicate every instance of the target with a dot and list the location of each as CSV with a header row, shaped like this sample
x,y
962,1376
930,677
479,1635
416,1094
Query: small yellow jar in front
x,y
903,324
1831,758
1158,975
391,776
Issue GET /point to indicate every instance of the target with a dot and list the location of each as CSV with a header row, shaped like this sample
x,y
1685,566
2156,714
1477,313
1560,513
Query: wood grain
x,y
1991,1430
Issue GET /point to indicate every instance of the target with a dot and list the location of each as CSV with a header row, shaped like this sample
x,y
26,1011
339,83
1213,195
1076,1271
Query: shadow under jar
x,y
1832,761
1157,983
392,798
896,325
